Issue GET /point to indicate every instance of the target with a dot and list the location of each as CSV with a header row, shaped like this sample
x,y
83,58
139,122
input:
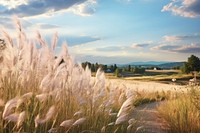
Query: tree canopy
x,y
192,64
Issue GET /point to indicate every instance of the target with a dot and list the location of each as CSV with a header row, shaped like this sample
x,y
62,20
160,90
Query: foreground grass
x,y
39,94
183,113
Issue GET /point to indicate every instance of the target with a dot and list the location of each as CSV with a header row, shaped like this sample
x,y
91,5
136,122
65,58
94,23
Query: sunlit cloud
x,y
184,8
187,48
85,9
142,45
31,8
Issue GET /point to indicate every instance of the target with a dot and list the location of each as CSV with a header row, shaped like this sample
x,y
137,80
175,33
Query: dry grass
x,y
183,113
38,94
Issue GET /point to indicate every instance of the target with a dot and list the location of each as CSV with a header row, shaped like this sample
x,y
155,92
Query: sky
x,y
112,31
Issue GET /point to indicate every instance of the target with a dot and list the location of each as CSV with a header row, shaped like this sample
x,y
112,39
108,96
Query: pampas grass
x,y
41,93
183,112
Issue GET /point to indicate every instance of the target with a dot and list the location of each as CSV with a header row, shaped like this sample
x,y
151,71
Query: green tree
x,y
117,72
115,67
129,68
192,64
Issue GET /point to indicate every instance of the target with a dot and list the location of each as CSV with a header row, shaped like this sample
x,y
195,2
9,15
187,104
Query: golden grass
x,y
183,113
38,94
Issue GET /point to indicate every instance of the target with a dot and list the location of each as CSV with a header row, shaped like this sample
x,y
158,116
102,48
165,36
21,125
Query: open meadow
x,y
42,92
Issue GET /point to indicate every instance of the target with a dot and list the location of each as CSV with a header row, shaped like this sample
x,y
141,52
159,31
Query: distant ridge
x,y
160,64
149,63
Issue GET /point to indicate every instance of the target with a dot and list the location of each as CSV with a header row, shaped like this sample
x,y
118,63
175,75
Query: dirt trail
x,y
148,119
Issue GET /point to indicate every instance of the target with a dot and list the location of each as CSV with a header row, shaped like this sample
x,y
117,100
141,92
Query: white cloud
x,y
85,9
178,38
184,8
13,3
30,8
172,38
46,26
187,48
137,45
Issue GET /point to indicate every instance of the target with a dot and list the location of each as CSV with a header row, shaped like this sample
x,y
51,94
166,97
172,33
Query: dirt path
x,y
148,119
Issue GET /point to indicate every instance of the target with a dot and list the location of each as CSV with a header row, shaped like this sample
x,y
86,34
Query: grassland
x,y
38,93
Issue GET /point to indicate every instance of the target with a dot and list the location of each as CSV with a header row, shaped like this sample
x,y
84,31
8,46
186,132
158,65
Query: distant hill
x,y
171,65
153,63
160,64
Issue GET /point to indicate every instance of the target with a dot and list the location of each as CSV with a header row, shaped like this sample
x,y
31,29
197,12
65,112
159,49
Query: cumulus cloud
x,y
47,26
178,38
85,9
27,8
12,3
172,38
188,48
184,8
111,48
142,45
75,40
165,47
192,48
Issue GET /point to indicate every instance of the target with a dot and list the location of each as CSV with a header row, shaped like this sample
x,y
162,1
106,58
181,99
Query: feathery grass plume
x,y
67,123
78,113
126,106
27,95
111,124
42,97
54,41
140,129
103,129
131,121
21,119
10,105
122,97
13,117
2,102
50,113
122,118
48,116
129,128
34,69
39,121
53,130
112,114
79,121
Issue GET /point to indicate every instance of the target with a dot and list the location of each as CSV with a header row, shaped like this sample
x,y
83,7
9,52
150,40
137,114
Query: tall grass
x,y
40,94
183,113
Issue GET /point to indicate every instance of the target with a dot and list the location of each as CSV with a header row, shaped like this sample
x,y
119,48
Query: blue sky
x,y
112,31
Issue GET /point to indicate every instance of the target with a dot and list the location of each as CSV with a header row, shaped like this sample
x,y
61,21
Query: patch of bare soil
x,y
148,119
